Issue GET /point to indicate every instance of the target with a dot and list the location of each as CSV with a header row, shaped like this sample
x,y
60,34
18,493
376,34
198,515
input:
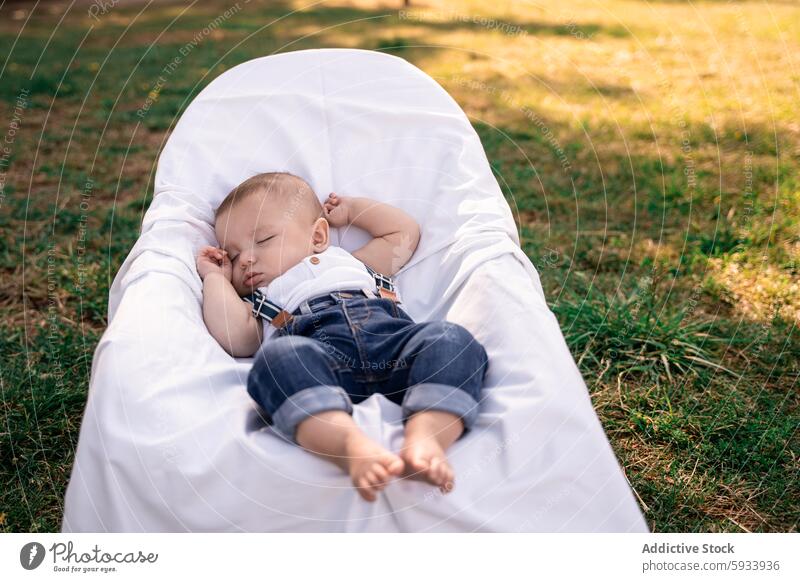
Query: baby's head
x,y
268,224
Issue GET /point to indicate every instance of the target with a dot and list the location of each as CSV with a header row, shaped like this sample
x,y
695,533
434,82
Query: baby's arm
x,y
396,234
227,316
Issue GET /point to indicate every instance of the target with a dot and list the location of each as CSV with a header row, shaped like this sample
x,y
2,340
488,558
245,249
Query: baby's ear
x,y
320,236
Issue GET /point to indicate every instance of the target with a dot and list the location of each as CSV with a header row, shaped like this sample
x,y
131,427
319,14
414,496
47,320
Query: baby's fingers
x,y
213,254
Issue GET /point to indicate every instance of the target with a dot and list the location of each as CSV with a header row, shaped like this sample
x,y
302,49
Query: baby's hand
x,y
337,210
211,259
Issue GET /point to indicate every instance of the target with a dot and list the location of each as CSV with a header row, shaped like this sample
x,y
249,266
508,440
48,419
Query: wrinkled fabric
x,y
170,439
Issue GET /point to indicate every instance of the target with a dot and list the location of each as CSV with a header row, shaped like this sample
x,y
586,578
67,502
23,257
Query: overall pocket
x,y
357,311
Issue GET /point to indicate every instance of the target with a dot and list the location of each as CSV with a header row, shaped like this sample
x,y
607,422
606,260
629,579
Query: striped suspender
x,y
267,310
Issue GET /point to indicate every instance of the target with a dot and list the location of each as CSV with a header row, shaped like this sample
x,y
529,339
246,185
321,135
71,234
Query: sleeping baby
x,y
327,331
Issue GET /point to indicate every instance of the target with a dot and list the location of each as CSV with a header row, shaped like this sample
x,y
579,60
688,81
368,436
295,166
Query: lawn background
x,y
649,152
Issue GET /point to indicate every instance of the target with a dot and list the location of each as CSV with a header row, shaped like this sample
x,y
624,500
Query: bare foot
x,y
371,466
428,434
426,461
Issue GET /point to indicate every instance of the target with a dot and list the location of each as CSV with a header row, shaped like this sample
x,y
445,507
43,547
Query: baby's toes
x,y
364,488
370,479
448,482
381,474
446,475
375,480
393,465
396,466
437,471
417,462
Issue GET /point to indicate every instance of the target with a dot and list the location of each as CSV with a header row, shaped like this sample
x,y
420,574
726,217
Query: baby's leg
x,y
293,380
441,402
334,436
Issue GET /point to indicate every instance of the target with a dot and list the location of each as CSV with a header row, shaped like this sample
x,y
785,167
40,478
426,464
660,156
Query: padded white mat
x,y
170,439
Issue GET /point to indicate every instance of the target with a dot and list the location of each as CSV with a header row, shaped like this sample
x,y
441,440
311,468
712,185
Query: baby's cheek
x,y
280,266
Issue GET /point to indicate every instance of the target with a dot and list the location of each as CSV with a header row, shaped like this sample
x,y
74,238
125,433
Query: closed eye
x,y
266,239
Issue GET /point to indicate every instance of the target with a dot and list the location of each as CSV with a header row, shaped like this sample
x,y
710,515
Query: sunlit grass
x,y
649,151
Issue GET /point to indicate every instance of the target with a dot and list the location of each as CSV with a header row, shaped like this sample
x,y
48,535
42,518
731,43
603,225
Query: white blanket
x,y
170,439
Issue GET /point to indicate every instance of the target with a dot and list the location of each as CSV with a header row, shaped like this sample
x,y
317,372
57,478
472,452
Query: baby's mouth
x,y
251,280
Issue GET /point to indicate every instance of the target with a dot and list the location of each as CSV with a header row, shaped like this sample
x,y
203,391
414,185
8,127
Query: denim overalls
x,y
340,348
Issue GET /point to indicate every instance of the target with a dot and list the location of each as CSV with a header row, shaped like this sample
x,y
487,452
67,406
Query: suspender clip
x,y
384,285
274,314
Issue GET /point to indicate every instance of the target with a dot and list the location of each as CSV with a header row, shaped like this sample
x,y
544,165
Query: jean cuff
x,y
307,402
432,396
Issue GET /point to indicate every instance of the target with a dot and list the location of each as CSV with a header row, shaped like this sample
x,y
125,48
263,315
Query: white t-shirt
x,y
334,269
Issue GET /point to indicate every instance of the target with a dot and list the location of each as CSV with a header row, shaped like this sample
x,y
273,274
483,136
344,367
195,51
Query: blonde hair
x,y
281,187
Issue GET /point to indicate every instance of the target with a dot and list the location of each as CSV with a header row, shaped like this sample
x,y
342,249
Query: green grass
x,y
649,151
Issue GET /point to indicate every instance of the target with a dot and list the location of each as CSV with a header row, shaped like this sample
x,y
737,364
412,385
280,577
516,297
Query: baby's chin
x,y
247,289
